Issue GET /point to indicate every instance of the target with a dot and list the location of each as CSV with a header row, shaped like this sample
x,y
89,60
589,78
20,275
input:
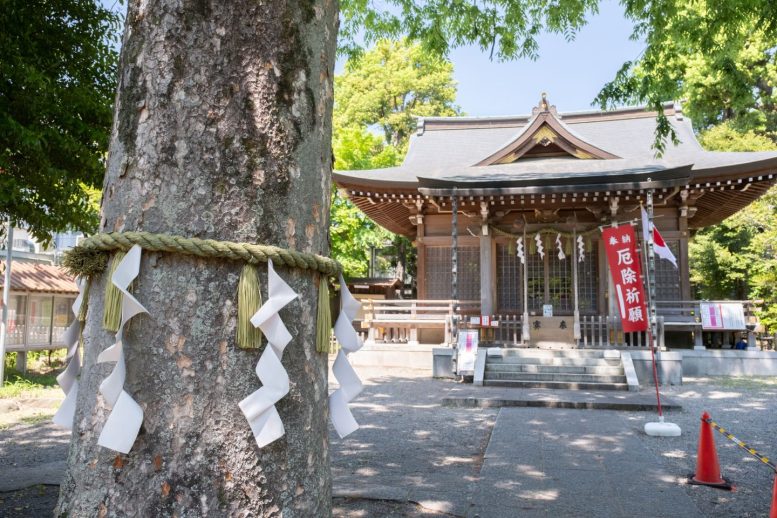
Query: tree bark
x,y
222,130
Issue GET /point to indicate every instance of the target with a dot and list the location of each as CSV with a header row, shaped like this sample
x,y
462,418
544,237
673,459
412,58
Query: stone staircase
x,y
557,369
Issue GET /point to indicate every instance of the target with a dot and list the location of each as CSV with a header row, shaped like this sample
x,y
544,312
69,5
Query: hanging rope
x,y
91,256
545,231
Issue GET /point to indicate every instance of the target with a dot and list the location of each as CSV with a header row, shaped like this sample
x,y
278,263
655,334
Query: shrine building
x,y
506,214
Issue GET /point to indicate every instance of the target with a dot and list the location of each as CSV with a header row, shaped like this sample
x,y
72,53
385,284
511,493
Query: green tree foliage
x,y
390,86
738,257
506,29
57,83
383,89
353,234
717,54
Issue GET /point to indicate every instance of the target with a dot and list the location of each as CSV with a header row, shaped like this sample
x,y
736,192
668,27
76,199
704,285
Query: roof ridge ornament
x,y
544,106
545,136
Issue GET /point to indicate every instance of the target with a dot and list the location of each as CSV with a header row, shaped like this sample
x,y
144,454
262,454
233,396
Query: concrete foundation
x,y
431,360
729,363
379,360
442,363
670,367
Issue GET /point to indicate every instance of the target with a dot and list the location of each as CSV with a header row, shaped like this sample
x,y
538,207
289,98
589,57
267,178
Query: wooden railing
x,y
688,312
604,331
398,320
506,331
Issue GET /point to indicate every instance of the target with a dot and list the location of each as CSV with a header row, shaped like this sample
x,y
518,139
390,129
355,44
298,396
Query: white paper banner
x,y
580,249
68,379
259,407
540,248
520,251
560,246
123,424
350,384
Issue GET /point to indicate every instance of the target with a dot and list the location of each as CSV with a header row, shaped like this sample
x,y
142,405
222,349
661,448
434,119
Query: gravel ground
x,y
747,407
410,448
423,449
32,502
364,508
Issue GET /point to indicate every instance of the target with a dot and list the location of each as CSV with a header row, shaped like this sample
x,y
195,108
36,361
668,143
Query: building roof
x,y
549,153
42,278
448,151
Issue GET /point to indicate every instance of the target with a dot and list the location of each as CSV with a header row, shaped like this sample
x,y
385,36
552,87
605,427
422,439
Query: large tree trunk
x,y
222,130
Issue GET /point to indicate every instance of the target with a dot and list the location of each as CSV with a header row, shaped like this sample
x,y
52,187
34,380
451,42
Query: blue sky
x,y
571,73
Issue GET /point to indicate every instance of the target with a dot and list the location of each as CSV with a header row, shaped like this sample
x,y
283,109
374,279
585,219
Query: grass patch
x,y
37,418
30,385
747,382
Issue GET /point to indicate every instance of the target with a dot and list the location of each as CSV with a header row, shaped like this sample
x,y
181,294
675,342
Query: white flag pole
x,y
661,428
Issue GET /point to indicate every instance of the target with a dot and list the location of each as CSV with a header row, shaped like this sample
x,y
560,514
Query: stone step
x,y
528,376
556,385
568,362
554,369
566,344
554,353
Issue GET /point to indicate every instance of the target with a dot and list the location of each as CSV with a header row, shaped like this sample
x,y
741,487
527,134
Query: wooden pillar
x,y
683,265
612,305
576,325
525,328
454,246
21,356
486,270
420,230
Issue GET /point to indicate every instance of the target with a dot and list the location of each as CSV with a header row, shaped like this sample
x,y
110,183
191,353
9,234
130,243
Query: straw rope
x,y
91,255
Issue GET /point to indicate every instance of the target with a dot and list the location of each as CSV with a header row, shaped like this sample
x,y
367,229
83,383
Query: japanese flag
x,y
659,245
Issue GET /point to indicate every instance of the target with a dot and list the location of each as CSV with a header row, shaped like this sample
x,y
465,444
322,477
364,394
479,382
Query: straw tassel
x,y
84,301
113,297
249,299
324,343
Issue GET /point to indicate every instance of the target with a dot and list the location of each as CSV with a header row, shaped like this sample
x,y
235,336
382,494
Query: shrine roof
x,y
551,148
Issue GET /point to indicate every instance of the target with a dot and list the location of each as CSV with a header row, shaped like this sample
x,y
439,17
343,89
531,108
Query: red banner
x,y
620,245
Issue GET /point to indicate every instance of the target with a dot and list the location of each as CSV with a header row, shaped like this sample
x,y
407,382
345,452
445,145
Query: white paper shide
x,y
259,407
68,379
123,424
350,384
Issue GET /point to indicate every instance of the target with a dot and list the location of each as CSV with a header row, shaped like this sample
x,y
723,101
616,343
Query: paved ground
x,y
414,457
467,395
545,461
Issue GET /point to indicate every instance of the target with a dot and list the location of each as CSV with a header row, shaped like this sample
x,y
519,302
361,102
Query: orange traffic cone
x,y
773,513
707,465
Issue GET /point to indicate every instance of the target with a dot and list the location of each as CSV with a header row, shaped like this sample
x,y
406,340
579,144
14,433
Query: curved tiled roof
x,y
448,148
586,152
37,277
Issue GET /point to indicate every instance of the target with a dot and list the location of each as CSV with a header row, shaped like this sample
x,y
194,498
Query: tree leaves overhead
x,y
505,29
57,84
719,55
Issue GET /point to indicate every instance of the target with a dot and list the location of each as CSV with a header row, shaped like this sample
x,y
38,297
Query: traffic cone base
x,y
773,513
707,465
723,484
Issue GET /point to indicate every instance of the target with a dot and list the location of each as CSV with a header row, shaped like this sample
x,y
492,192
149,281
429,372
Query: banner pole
x,y
661,428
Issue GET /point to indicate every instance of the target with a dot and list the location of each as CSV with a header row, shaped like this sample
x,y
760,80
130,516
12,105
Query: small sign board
x,y
467,350
547,310
723,316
